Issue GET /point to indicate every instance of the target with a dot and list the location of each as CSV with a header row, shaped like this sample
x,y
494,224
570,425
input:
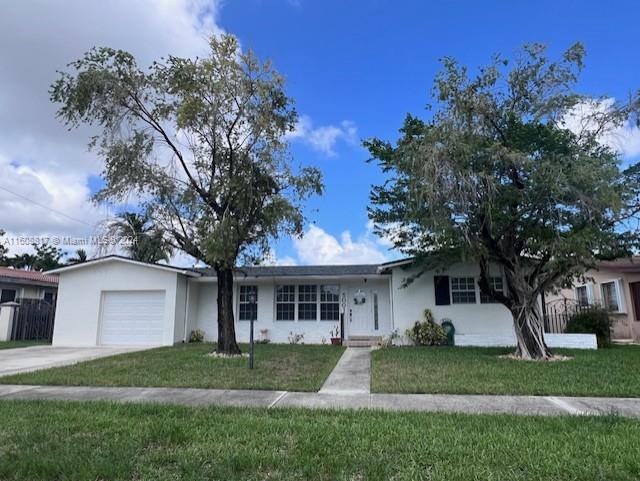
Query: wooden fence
x,y
33,320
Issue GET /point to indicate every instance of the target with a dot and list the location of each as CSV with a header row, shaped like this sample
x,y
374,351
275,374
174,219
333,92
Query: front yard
x,y
610,372
17,344
82,441
278,367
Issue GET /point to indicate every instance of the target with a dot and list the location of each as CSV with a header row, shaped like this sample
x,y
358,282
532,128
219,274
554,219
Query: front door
x,y
360,315
634,287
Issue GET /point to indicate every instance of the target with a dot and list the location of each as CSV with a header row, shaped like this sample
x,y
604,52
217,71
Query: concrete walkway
x,y
523,405
27,359
352,374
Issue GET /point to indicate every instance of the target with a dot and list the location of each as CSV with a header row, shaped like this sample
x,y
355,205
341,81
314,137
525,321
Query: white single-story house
x,y
119,301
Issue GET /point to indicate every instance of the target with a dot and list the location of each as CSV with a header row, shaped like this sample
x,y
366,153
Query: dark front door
x,y
635,299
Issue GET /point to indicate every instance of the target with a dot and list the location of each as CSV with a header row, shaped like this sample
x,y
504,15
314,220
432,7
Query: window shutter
x,y
441,286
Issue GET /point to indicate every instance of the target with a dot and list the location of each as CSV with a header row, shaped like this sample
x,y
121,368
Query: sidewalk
x,y
352,374
475,404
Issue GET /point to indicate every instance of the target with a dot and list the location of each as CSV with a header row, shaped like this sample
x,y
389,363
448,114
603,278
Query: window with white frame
x,y
463,290
8,295
286,303
329,302
610,296
582,296
496,285
307,303
248,303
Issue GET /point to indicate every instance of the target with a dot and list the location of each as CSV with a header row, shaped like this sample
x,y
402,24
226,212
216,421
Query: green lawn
x,y
16,344
278,367
47,440
464,370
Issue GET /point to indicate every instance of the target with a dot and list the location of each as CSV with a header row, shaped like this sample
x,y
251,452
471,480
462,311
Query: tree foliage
x,y
496,176
142,240
44,258
79,257
202,141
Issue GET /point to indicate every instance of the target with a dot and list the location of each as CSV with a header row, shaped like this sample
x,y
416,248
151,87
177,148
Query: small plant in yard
x,y
427,332
388,341
295,338
336,340
592,321
197,335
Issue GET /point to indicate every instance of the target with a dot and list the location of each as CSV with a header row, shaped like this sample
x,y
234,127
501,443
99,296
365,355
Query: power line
x,y
45,207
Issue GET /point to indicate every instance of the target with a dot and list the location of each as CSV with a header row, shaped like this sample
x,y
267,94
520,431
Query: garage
x,y
133,318
115,301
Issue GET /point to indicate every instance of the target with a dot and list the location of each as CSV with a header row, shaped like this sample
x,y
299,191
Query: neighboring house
x,y
20,284
118,301
614,285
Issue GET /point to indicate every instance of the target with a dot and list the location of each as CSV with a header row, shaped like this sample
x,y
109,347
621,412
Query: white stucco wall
x,y
573,341
203,308
471,319
80,294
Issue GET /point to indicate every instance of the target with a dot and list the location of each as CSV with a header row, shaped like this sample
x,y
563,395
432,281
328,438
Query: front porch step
x,y
363,341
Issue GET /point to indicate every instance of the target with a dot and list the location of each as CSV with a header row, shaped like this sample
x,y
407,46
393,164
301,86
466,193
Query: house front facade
x,y
615,286
118,301
16,284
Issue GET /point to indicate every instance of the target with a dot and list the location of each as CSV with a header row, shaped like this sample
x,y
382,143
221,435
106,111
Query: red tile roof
x,y
32,276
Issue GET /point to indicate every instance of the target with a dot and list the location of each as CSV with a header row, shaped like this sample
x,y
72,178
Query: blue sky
x,y
354,68
371,62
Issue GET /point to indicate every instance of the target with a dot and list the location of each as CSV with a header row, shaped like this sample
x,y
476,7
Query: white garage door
x,y
132,318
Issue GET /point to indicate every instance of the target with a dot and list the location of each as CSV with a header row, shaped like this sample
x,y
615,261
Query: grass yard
x,y
278,367
17,344
47,440
467,370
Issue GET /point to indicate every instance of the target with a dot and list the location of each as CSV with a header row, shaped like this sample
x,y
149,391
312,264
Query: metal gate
x,y
558,313
33,320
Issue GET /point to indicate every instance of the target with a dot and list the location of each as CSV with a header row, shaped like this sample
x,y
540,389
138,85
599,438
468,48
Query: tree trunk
x,y
226,328
529,327
523,301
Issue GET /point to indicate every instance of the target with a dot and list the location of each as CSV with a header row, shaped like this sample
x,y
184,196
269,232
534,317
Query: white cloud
x,y
625,138
39,158
316,246
324,138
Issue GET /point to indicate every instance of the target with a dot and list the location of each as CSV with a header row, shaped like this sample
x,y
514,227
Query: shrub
x,y
196,336
593,321
427,332
295,338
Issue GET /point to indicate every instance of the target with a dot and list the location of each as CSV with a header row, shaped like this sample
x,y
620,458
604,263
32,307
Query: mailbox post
x,y
252,300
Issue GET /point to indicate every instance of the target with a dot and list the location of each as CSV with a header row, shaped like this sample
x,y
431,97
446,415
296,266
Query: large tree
x,y
203,142
45,258
497,177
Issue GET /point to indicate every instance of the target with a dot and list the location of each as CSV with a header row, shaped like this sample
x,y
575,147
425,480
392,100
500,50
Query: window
x,y
496,284
610,296
248,303
582,296
463,290
285,303
8,295
48,297
329,303
308,303
375,311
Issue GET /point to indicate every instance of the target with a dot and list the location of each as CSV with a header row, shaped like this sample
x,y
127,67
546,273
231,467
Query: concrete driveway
x,y
26,359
